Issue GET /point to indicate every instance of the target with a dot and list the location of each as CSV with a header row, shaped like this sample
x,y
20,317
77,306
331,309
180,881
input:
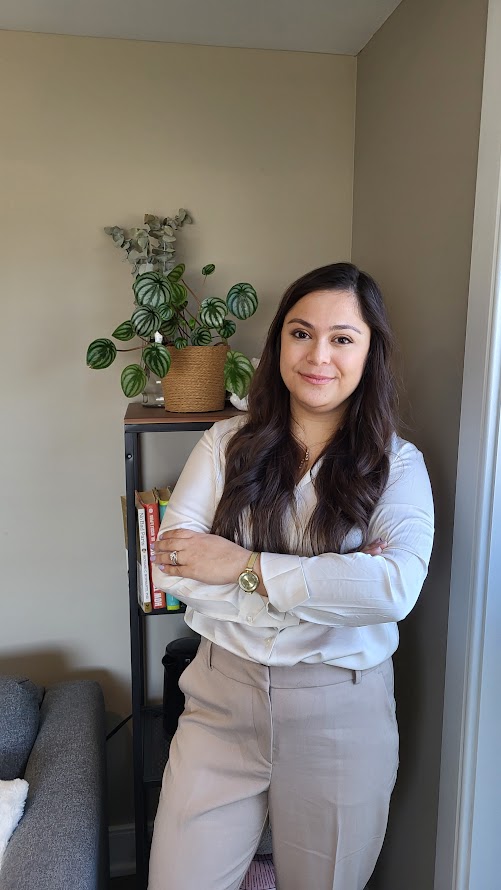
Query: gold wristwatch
x,y
248,580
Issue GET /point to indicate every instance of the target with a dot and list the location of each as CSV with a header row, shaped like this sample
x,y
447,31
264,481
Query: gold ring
x,y
173,558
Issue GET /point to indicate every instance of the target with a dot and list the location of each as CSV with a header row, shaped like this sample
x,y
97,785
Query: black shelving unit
x,y
149,746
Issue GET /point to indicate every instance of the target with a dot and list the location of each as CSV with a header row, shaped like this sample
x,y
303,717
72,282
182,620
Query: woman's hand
x,y
375,548
199,556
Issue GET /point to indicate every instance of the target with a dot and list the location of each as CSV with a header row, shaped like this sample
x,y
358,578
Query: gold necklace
x,y
305,460
306,457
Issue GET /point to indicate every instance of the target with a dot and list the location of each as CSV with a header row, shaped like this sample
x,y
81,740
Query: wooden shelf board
x,y
137,414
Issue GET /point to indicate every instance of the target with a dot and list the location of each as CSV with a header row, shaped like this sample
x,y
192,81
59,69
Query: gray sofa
x,y
55,739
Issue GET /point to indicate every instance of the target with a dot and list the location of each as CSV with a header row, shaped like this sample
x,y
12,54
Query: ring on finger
x,y
173,558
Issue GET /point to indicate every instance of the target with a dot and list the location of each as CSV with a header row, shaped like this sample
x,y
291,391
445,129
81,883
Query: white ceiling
x,y
322,26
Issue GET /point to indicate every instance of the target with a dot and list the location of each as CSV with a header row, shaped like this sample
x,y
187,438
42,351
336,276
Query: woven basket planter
x,y
195,381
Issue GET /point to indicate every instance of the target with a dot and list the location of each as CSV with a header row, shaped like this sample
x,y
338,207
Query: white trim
x,y
471,557
486,824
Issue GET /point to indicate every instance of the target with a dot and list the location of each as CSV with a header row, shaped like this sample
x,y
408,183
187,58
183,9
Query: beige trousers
x,y
313,746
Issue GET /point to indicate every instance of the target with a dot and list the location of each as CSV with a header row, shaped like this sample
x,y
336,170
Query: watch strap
x,y
252,560
249,580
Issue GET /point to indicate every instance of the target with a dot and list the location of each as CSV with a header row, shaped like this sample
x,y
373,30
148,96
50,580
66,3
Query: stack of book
x,y
150,508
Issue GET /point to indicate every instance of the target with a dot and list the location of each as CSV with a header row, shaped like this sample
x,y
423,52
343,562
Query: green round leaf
x,y
227,329
169,328
201,337
176,273
124,331
151,289
101,353
213,312
157,358
145,321
180,342
208,270
165,311
242,300
238,373
178,294
133,380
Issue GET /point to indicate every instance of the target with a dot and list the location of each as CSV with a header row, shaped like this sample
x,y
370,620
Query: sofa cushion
x,y
19,718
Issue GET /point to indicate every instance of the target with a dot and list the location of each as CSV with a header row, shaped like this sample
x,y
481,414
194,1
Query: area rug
x,y
261,875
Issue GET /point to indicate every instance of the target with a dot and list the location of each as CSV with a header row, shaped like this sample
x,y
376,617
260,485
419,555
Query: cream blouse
x,y
337,608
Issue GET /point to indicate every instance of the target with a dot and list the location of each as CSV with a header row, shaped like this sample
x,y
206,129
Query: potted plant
x,y
178,328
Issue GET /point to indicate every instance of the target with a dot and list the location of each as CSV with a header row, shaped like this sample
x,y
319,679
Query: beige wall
x,y
259,146
419,84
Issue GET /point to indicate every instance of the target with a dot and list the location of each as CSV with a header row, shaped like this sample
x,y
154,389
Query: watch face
x,y
248,581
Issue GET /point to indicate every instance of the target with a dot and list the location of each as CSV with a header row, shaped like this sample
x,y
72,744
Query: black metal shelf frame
x,y
149,747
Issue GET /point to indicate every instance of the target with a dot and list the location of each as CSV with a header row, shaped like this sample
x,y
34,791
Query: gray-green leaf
x,y
208,270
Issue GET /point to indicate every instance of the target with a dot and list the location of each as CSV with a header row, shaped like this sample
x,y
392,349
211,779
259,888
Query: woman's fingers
x,y
169,540
166,557
375,548
174,541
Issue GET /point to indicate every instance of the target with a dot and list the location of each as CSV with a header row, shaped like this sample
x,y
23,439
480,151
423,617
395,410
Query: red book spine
x,y
153,524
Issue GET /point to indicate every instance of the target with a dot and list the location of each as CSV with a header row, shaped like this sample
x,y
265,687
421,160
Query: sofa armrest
x,y
61,841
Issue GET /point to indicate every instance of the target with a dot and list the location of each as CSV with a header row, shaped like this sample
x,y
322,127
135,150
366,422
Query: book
x,y
149,500
163,495
143,560
143,580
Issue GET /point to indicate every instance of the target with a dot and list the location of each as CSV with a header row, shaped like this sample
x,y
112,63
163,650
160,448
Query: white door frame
x,y
469,817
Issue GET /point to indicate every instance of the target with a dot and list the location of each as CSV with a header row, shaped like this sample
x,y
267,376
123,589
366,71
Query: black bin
x,y
178,654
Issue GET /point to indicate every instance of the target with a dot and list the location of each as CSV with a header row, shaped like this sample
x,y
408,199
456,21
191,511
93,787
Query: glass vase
x,y
153,396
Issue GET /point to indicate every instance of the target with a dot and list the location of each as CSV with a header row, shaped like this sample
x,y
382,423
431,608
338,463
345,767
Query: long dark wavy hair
x,y
262,457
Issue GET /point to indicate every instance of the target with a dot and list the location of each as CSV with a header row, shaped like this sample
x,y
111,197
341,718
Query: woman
x,y
297,535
